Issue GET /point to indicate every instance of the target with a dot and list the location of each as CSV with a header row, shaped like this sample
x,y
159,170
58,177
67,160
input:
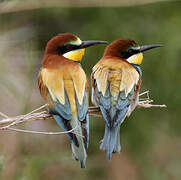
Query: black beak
x,y
148,47
86,44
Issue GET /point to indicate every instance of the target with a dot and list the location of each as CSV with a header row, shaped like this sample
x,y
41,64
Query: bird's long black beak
x,y
86,44
148,47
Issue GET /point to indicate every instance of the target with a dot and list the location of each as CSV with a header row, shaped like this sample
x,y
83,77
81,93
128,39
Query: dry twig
x,y
8,122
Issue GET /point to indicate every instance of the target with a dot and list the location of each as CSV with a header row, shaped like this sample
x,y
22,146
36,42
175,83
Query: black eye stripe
x,y
66,48
130,52
125,55
69,47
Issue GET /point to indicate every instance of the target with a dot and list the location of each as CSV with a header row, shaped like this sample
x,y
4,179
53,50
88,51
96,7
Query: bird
x,y
64,86
116,81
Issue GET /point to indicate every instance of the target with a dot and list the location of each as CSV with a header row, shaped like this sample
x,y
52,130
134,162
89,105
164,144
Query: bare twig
x,y
3,115
29,117
8,122
143,93
46,133
43,115
150,106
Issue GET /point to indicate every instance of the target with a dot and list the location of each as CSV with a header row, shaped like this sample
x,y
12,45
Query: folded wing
x,y
65,90
114,85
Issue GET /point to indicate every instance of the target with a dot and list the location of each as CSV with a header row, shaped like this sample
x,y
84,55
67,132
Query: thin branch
x,y
23,118
44,115
151,106
45,133
143,93
41,107
3,115
8,122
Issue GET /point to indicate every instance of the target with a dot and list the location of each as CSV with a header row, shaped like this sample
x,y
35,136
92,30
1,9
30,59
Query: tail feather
x,y
77,142
66,126
78,152
117,147
111,141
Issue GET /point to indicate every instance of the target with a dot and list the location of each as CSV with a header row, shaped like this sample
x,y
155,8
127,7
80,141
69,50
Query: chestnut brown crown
x,y
58,41
118,46
128,50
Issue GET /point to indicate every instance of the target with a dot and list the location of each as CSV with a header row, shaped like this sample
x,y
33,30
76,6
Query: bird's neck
x,y
137,67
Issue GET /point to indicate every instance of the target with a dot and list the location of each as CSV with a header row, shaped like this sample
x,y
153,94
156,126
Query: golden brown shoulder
x,y
44,90
67,76
114,69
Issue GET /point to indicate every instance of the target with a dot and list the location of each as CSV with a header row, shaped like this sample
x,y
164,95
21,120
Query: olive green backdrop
x,y
150,138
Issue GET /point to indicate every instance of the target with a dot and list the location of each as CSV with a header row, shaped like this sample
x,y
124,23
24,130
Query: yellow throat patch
x,y
136,59
75,55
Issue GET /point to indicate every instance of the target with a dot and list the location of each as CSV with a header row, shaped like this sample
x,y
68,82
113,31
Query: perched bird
x,y
64,86
116,81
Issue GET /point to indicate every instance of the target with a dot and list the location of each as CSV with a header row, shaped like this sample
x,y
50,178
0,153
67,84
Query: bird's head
x,y
69,46
128,50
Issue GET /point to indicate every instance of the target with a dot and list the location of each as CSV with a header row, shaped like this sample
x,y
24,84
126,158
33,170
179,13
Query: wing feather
x,y
120,80
68,92
101,75
44,90
79,80
53,80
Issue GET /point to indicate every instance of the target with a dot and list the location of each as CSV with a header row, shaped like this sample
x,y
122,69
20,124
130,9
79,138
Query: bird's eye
x,y
131,51
68,47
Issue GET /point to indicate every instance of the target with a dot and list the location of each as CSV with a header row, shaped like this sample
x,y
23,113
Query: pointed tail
x,y
77,142
78,152
111,141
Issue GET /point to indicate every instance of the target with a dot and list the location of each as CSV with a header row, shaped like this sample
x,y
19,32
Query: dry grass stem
x,y
40,114
45,133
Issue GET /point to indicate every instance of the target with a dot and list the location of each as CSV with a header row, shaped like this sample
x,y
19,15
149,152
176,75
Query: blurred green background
x,y
150,138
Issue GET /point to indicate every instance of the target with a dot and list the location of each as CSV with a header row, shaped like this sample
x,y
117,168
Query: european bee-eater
x,y
116,81
64,86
